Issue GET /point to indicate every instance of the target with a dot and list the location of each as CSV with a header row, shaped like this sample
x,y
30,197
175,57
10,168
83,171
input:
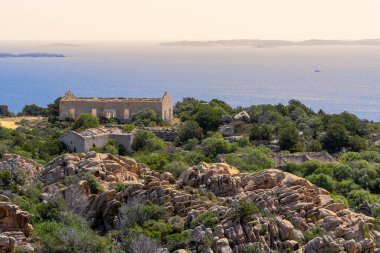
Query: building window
x,y
72,113
93,145
165,115
170,113
110,113
126,114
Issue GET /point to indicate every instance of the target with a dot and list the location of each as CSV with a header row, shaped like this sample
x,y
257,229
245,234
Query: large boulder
x,y
226,130
218,178
242,116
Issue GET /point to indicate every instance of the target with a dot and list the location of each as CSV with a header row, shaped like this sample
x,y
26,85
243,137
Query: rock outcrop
x,y
14,227
12,162
107,167
286,213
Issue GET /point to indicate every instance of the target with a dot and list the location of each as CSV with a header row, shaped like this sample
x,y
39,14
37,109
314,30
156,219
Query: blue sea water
x,y
349,81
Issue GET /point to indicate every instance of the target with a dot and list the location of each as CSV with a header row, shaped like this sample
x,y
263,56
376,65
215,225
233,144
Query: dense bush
x,y
208,219
147,117
146,141
85,121
289,138
70,234
189,130
176,167
252,161
34,110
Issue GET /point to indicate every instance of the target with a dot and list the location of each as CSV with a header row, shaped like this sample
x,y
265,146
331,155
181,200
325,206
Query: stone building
x,y
120,108
281,159
4,111
78,142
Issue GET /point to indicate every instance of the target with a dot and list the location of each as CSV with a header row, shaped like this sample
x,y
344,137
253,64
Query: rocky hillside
x,y
221,210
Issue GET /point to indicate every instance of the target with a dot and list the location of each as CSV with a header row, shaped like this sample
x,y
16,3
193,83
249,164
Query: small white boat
x,y
318,69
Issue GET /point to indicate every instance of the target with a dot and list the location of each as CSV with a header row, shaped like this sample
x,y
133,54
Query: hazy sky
x,y
158,20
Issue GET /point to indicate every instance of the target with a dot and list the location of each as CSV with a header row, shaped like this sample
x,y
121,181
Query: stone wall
x,y
281,159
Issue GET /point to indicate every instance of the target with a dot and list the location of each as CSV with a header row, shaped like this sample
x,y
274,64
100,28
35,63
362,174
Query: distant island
x,y
274,43
36,55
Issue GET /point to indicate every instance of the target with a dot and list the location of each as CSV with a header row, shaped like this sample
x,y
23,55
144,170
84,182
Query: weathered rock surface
x,y
107,167
14,162
14,227
226,130
242,116
287,206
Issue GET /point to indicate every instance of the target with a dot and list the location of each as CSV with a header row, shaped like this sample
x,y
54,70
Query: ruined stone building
x,y
120,108
281,159
78,142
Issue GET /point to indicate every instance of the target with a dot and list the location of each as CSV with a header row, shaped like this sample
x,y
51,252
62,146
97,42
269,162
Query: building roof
x,y
69,96
94,132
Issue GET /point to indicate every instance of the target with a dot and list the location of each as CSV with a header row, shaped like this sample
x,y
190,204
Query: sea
x,y
242,76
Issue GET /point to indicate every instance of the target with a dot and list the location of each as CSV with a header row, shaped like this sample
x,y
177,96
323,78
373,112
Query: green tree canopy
x,y
85,121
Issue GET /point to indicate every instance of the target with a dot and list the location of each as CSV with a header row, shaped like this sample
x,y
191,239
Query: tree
x,y
209,117
34,110
189,130
288,138
146,141
85,121
53,109
357,143
336,138
147,117
323,181
262,132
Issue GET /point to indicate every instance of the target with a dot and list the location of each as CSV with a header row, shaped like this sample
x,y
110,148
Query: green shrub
x,y
339,199
177,241
176,168
156,229
311,234
247,210
137,213
215,145
85,121
208,219
323,181
189,130
147,117
288,138
146,141
155,161
262,132
128,127
251,249
70,234
12,180
93,183
253,161
209,117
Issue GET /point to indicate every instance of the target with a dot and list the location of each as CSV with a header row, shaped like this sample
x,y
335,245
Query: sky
x,y
167,20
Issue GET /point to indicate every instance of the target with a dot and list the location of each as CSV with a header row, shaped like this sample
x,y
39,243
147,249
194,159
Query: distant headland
x,y
34,55
274,43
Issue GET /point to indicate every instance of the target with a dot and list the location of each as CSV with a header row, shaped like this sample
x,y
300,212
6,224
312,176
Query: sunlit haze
x,y
158,20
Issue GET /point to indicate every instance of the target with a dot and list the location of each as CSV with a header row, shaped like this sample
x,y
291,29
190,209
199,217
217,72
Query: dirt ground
x,y
11,122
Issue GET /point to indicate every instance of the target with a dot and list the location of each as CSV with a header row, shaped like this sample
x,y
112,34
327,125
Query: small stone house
x,y
78,142
119,108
